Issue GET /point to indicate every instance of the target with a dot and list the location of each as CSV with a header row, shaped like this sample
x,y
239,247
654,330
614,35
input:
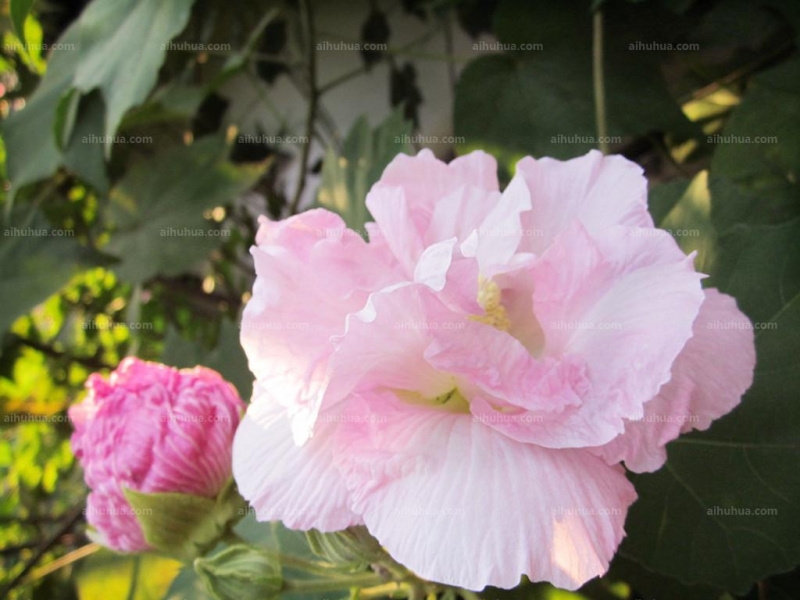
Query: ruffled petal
x,y
282,481
457,502
708,380
310,274
599,191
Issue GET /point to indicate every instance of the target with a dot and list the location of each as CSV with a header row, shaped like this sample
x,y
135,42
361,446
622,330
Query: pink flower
x,y
151,428
468,383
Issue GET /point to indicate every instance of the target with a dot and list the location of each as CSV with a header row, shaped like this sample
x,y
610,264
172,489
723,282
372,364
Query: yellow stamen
x,y
495,314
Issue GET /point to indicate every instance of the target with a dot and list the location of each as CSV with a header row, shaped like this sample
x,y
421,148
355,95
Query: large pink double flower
x,y
467,383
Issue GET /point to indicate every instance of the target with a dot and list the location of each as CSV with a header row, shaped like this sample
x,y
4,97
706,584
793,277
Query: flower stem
x,y
332,585
599,82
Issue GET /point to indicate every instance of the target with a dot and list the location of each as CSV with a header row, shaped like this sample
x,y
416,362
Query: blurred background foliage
x,y
126,119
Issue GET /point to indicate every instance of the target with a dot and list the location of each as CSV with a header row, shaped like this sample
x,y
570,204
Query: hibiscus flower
x,y
468,383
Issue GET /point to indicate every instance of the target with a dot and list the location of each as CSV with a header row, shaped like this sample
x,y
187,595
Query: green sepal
x,y
185,526
240,572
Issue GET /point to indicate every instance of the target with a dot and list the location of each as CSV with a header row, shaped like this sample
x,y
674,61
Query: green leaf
x,y
19,10
66,113
760,266
182,525
157,208
116,47
689,222
347,178
662,198
123,47
652,585
755,166
35,262
29,134
748,460
227,357
540,101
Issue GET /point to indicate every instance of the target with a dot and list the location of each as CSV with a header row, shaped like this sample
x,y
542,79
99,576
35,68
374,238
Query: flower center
x,y
494,313
452,401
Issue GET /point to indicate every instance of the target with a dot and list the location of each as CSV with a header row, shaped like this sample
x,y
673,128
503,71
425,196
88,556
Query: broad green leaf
x,y
19,10
724,510
755,166
66,113
29,134
35,262
689,222
662,198
116,47
124,44
347,178
106,575
652,585
172,102
760,266
540,101
227,357
157,208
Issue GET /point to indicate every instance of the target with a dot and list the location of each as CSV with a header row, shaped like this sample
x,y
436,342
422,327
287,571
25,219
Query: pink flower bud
x,y
151,428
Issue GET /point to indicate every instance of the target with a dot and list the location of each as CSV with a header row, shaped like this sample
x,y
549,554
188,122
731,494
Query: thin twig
x,y
87,361
308,19
599,83
73,517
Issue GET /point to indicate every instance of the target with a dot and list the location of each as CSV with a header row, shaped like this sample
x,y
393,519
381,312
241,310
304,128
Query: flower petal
x,y
702,388
598,190
457,502
310,274
282,481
